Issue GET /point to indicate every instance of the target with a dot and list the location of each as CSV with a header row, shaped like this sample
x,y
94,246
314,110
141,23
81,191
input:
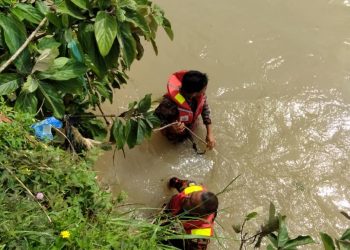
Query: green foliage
x,y
78,57
343,243
135,125
275,229
70,196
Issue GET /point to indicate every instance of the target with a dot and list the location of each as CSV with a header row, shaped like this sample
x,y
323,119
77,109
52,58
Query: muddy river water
x,y
279,93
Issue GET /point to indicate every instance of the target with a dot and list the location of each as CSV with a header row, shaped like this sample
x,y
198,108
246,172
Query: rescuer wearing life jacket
x,y
184,102
199,206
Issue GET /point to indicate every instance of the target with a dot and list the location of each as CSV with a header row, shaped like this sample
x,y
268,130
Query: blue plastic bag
x,y
42,129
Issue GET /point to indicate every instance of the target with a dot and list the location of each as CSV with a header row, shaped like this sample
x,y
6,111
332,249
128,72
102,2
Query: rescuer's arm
x,y
210,137
207,122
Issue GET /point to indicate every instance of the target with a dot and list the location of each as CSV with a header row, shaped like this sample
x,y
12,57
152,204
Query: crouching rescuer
x,y
196,209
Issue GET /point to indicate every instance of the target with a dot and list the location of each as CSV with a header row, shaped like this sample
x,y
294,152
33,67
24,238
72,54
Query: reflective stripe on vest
x,y
180,98
192,189
201,232
173,86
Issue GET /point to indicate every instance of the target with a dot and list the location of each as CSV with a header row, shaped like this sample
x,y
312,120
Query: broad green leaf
x,y
93,60
270,247
147,129
111,59
26,102
327,241
161,20
299,241
144,104
75,51
45,60
67,7
118,133
153,25
47,42
138,21
127,128
6,3
53,100
141,129
273,239
71,86
343,245
9,82
153,119
15,35
30,85
63,69
120,15
104,4
282,237
42,7
27,12
83,4
158,14
139,47
131,4
55,20
132,133
167,27
346,235
106,29
104,90
251,216
154,45
127,44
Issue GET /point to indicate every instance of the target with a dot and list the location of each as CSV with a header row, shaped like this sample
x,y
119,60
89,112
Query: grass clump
x,y
48,200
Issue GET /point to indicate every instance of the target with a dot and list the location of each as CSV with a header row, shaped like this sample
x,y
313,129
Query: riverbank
x,y
50,199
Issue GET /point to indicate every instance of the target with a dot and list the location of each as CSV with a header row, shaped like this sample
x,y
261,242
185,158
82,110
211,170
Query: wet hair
x,y
209,205
194,81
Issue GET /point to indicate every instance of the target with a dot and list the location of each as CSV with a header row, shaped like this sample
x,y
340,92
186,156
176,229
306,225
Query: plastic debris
x,y
42,129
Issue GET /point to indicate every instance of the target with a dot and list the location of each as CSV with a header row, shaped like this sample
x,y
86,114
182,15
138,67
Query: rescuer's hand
x,y
210,141
178,128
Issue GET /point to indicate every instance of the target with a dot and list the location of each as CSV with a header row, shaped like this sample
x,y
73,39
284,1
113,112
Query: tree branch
x,y
24,45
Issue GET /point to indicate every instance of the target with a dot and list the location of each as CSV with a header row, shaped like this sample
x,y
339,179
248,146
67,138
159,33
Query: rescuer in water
x,y
184,102
197,209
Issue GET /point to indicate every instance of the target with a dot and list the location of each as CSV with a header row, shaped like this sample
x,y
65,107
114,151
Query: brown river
x,y
279,93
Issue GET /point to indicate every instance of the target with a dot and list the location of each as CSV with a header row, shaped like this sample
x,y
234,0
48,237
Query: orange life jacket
x,y
201,227
185,113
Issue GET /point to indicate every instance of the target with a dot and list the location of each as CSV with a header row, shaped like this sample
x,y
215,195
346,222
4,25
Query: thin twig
x,y
224,190
40,109
70,143
242,236
31,194
24,45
